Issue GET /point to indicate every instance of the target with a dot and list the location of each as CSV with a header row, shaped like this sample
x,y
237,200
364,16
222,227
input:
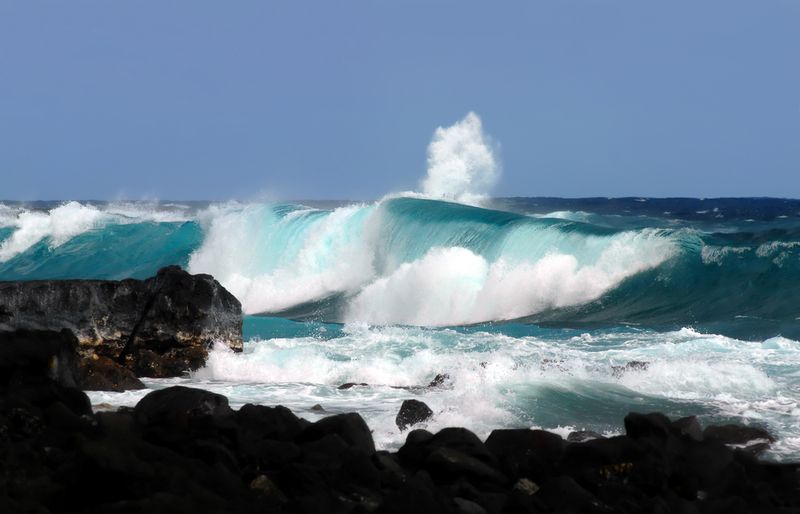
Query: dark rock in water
x,y
103,374
350,385
350,427
736,434
618,371
412,412
317,408
439,380
581,436
159,327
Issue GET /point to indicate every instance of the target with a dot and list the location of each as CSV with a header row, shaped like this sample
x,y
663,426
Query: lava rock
x,y
350,385
412,412
177,405
736,434
103,374
440,380
174,315
581,436
350,427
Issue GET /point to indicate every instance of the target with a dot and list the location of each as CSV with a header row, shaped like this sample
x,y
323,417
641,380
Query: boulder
x,y
350,427
98,373
176,406
38,356
412,412
159,327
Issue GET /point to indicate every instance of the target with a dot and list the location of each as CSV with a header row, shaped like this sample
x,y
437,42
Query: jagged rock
x,y
103,374
581,436
412,412
736,434
618,371
159,327
439,380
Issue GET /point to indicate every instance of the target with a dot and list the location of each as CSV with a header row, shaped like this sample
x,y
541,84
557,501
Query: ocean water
x,y
532,306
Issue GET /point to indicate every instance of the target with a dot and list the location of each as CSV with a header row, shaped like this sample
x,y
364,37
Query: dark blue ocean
x,y
532,306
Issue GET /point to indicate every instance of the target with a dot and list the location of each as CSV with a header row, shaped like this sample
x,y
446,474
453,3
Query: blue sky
x,y
216,100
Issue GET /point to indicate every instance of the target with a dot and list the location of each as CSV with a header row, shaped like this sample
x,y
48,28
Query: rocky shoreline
x,y
185,450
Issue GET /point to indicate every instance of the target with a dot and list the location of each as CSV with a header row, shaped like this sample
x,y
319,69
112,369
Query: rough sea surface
x,y
563,314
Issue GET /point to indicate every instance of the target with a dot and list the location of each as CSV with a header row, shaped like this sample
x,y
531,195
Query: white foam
x,y
454,286
58,225
271,263
462,166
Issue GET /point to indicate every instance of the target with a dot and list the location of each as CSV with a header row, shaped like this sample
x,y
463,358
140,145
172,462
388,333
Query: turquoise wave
x,y
337,264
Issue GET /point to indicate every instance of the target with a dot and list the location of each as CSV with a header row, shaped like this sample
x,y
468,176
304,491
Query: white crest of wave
x,y
271,263
461,164
59,225
454,286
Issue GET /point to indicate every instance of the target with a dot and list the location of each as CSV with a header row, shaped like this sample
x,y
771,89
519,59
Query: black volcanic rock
x,y
412,412
98,373
736,434
38,355
350,427
159,327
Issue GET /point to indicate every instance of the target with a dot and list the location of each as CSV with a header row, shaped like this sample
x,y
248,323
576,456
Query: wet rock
x,y
318,408
103,374
618,371
159,327
412,412
440,380
736,434
581,436
350,385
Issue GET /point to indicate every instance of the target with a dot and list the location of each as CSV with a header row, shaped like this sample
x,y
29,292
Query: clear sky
x,y
339,99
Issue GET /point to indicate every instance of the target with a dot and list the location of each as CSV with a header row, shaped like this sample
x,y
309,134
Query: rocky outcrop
x,y
159,327
98,373
186,450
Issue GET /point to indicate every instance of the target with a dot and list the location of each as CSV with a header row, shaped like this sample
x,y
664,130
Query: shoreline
x,y
185,450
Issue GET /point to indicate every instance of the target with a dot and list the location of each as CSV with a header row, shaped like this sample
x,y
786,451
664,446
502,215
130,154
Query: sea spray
x,y
462,165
